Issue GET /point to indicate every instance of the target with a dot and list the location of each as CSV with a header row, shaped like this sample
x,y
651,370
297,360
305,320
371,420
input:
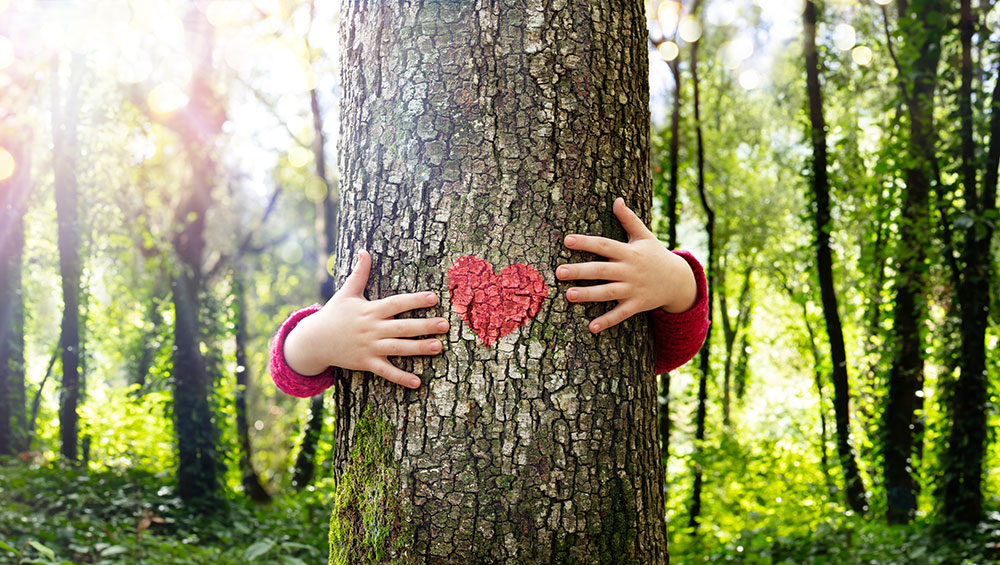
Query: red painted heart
x,y
495,305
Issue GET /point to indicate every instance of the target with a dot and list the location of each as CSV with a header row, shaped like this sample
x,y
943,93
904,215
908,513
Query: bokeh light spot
x,y
299,156
862,55
6,52
222,13
668,50
883,2
844,36
749,79
993,19
166,98
689,29
7,164
668,15
736,51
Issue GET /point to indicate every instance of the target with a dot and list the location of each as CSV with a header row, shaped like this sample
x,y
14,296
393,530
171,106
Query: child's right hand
x,y
354,333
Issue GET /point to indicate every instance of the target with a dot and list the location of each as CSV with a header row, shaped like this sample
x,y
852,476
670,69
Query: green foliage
x,y
60,514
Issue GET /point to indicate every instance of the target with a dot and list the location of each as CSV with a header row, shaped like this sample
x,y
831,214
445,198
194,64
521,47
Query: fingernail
x,y
414,383
442,326
570,241
435,346
562,272
572,294
595,327
431,298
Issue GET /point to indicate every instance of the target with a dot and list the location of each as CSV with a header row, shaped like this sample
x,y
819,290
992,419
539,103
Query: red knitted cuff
x,y
679,336
287,380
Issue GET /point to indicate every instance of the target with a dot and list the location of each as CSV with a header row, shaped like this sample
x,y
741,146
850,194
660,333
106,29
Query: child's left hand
x,y
642,274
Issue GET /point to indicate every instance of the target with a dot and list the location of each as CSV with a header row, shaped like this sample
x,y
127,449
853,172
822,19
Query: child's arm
x,y
643,275
354,333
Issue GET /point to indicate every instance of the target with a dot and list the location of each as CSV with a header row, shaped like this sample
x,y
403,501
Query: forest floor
x,y
54,514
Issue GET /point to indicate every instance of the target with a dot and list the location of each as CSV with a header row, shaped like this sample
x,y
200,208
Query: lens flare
x,y
668,50
862,55
6,52
689,29
7,165
166,98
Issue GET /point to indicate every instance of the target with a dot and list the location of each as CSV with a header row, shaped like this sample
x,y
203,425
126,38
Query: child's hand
x,y
354,333
642,273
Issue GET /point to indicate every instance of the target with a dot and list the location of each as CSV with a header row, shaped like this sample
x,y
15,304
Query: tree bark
x,y
197,471
962,490
494,130
704,355
854,488
65,152
14,193
922,24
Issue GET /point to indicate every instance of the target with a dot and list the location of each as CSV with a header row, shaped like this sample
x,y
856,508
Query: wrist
x,y
683,288
302,353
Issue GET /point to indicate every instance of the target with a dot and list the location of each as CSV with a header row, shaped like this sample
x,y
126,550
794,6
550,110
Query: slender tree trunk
x,y
494,131
671,213
66,150
919,53
14,193
328,210
731,329
197,471
251,480
962,490
855,490
711,261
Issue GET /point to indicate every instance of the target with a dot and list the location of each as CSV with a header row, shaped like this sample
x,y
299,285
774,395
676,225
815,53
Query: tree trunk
x,y
14,193
251,480
671,214
962,490
65,151
328,210
824,264
494,131
197,471
704,359
920,53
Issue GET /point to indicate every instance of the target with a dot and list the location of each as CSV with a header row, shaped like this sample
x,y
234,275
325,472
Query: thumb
x,y
358,279
632,224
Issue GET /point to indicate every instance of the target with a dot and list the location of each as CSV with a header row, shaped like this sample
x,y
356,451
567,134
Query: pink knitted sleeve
x,y
677,337
284,377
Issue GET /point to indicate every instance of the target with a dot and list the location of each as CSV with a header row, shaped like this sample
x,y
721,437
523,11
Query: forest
x,y
178,177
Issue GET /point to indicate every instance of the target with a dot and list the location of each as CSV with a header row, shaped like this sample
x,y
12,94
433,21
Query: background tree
x,y
824,265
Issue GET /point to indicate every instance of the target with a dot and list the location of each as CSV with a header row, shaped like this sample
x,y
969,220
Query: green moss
x,y
367,524
616,540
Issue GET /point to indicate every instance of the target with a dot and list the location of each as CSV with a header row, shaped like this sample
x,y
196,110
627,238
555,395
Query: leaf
x,y
42,549
258,549
113,550
9,548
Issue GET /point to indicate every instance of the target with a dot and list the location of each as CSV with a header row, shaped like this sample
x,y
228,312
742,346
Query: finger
x,y
390,372
358,279
398,303
612,317
598,245
596,270
633,225
413,327
407,347
599,293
